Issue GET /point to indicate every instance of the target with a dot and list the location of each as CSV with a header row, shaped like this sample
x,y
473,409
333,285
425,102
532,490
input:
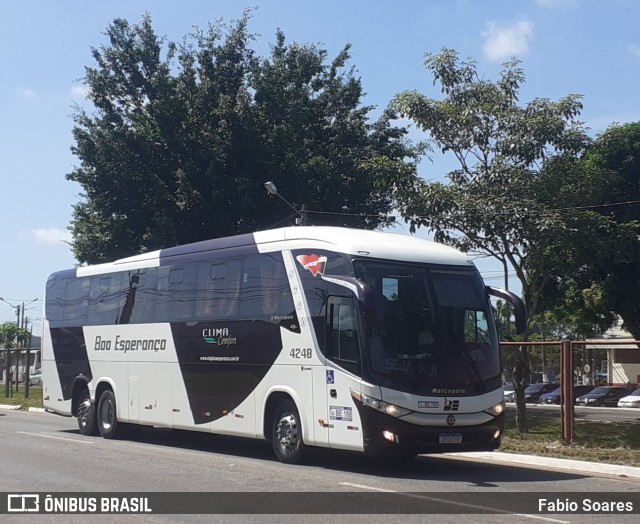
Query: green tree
x,y
491,204
11,336
603,277
182,138
617,152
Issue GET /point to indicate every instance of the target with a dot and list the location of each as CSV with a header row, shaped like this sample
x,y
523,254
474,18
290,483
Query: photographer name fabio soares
x,y
585,505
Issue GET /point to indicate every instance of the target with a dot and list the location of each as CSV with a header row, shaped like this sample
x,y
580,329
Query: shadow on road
x,y
424,467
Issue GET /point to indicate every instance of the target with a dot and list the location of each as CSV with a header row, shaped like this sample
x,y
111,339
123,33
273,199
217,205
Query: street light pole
x,y
302,215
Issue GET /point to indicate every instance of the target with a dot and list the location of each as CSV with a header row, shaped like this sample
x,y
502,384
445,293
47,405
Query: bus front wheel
x,y
108,424
286,435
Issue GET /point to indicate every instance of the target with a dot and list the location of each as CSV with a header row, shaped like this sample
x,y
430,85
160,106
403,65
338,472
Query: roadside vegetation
x,y
609,443
34,400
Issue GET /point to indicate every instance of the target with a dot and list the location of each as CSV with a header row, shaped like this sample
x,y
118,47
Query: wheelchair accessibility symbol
x,y
330,379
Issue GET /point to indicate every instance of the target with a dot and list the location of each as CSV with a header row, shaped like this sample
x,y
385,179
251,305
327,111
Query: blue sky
x,y
588,47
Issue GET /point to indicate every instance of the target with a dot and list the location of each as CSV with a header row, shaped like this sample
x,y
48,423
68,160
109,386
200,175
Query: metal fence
x,y
16,366
597,396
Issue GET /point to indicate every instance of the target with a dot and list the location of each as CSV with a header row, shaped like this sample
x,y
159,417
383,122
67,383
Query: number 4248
x,y
300,353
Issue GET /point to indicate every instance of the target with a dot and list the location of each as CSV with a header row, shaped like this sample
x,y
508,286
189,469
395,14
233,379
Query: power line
x,y
597,206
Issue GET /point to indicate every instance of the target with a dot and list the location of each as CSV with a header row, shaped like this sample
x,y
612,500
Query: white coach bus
x,y
306,336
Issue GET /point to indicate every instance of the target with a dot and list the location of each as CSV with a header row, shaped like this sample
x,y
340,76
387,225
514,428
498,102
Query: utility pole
x,y
27,367
18,346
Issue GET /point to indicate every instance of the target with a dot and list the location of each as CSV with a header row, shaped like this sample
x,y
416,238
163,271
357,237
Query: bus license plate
x,y
341,413
450,438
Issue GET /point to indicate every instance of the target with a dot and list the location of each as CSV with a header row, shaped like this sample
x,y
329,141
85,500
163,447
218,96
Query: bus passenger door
x,y
343,372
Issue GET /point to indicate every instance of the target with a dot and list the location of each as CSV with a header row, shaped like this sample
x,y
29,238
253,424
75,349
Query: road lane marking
x,y
56,438
463,504
362,486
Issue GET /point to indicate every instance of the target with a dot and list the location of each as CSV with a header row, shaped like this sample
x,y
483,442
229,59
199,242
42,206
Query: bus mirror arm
x,y
362,291
520,310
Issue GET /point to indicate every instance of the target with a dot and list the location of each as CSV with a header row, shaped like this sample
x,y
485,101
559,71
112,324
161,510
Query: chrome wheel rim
x,y
107,414
287,433
84,412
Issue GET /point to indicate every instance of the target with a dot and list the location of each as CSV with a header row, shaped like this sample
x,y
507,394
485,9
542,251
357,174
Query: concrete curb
x,y
10,406
552,463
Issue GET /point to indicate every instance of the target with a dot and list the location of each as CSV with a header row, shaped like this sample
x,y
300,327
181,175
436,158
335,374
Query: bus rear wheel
x,y
107,418
286,435
87,422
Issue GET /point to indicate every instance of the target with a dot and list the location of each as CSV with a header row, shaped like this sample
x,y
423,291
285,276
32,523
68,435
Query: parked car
x,y
35,379
534,391
603,396
556,395
630,401
509,393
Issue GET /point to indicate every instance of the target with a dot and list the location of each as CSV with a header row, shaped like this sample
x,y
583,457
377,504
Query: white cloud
x,y
51,235
27,94
556,3
79,92
505,41
634,49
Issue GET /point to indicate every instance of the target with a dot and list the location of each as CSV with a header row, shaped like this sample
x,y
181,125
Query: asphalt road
x,y
41,452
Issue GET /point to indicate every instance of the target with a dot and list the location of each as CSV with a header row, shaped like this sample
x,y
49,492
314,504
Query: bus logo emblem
x,y
313,263
451,420
451,405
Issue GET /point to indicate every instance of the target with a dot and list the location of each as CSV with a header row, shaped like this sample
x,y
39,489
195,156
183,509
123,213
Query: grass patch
x,y
34,400
610,443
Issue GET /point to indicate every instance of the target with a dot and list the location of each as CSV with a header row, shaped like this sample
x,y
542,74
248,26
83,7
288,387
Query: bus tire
x,y
286,434
86,414
107,416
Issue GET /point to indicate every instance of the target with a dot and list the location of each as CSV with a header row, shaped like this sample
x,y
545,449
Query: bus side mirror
x,y
520,310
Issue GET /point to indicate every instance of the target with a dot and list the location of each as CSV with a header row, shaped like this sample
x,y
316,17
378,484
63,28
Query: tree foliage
x,y
602,276
181,138
11,335
491,204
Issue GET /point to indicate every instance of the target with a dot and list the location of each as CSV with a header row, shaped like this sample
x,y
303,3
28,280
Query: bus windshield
x,y
430,331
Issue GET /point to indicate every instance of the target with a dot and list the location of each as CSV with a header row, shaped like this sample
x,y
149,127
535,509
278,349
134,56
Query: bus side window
x,y
205,290
104,299
342,344
56,289
217,290
265,287
140,296
75,301
277,299
174,300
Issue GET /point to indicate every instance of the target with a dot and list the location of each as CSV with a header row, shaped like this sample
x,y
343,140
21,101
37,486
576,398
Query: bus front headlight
x,y
496,410
380,405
